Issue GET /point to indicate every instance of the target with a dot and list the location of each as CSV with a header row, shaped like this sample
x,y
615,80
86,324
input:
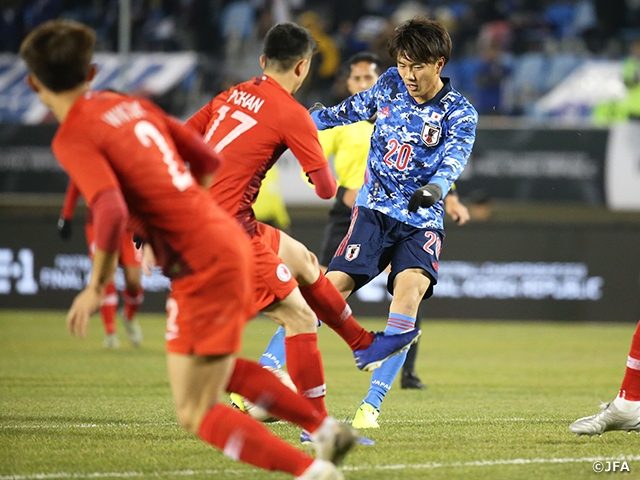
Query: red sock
x,y
327,303
304,364
260,386
132,301
108,308
240,437
630,389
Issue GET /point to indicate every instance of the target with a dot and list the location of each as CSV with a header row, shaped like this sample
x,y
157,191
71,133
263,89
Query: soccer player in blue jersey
x,y
423,135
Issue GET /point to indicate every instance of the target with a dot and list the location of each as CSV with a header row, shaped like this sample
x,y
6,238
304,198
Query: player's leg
x,y
131,261
108,309
409,378
197,384
409,286
331,439
274,355
304,362
133,295
207,312
624,412
323,297
109,302
277,296
328,302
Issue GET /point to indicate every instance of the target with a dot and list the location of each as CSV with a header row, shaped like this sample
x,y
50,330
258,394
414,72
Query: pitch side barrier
x,y
491,270
523,268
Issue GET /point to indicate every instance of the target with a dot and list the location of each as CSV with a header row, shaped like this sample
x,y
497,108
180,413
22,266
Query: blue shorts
x,y
375,240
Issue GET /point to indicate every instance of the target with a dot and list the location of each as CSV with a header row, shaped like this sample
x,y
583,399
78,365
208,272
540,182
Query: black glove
x,y
64,228
309,181
138,240
426,196
316,106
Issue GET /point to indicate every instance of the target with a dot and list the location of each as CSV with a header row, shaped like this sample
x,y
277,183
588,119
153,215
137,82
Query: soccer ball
x,y
255,411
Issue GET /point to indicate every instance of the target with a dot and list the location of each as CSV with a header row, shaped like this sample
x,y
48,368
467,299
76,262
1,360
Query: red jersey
x,y
109,140
251,125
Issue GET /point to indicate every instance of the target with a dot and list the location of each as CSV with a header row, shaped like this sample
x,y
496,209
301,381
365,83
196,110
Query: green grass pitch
x,y
501,396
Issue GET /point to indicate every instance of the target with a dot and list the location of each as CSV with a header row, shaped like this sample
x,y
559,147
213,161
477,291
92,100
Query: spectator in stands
x,y
491,74
11,29
326,61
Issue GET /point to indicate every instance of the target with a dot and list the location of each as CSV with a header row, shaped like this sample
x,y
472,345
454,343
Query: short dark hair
x,y
59,53
364,57
287,43
420,40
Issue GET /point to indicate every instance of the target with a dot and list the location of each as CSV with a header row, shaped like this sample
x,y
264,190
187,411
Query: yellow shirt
x,y
269,206
349,146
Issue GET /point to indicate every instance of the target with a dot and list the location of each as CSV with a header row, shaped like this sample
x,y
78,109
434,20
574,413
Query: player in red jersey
x,y
129,258
125,155
251,125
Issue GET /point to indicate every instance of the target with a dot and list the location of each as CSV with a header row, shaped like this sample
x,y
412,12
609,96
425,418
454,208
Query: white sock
x,y
626,405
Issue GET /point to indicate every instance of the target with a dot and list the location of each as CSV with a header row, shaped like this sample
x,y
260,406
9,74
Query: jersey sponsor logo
x,y
384,112
283,273
352,252
430,134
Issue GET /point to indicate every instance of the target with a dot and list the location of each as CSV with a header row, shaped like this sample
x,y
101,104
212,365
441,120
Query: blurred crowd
x,y
489,36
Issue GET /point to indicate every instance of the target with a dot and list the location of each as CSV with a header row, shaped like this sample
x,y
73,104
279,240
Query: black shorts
x,y
375,240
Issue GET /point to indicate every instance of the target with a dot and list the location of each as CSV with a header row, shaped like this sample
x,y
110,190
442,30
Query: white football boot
x,y
609,418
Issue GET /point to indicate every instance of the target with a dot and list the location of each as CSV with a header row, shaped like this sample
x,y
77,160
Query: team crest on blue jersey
x,y
352,252
430,134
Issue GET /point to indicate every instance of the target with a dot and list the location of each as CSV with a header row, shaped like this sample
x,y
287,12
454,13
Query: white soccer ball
x,y
256,411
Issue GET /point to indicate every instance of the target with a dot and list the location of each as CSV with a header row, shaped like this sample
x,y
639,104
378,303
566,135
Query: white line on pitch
x,y
422,466
426,420
89,425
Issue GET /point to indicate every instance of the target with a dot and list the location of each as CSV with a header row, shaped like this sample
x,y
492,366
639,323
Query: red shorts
x,y
129,255
272,279
207,310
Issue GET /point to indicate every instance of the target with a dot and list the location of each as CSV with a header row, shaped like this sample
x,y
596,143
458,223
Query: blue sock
x,y
383,377
274,355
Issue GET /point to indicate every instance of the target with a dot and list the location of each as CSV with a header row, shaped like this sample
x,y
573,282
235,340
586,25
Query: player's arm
x,y
457,149
66,216
200,119
110,219
97,182
324,182
304,144
361,106
203,160
453,207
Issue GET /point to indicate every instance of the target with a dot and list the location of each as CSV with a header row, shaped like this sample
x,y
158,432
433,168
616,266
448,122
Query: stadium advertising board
x,y
487,271
538,164
520,164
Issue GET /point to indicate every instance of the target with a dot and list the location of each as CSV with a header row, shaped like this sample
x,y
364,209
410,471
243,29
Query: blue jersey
x,y
412,144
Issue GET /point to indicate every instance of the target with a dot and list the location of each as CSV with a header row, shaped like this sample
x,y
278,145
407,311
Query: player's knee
x,y
303,320
189,419
308,269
